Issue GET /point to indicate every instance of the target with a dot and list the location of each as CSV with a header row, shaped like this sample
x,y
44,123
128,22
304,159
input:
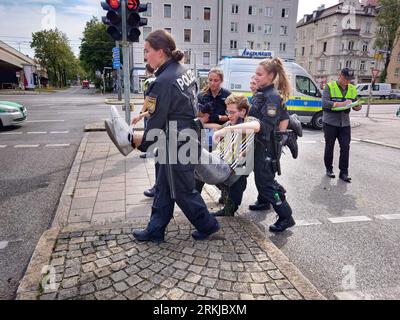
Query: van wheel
x,y
316,121
1,125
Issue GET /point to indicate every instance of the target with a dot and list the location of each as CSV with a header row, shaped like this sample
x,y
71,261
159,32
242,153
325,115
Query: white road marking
x,y
388,217
3,245
56,145
308,142
10,133
2,147
59,132
27,146
39,121
349,219
305,223
39,132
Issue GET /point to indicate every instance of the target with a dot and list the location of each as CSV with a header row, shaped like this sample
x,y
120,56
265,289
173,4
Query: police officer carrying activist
x,y
336,124
171,102
269,110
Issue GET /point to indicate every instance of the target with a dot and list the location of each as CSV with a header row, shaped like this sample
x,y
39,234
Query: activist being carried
x,y
171,102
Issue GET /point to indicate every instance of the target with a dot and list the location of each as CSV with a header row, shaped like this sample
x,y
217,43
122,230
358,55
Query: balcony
x,y
351,32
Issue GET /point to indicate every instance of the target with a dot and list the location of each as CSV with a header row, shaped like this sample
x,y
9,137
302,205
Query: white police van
x,y
305,99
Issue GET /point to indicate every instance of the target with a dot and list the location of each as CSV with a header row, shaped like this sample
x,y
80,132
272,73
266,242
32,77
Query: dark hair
x,y
149,69
161,39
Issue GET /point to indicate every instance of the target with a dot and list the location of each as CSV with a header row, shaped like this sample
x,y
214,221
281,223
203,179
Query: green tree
x,y
55,54
388,31
96,47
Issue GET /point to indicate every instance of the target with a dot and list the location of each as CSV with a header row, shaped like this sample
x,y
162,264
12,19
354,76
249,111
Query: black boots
x,y
228,210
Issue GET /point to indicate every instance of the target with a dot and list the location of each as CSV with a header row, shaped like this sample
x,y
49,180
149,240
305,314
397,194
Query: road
x,y
35,161
347,235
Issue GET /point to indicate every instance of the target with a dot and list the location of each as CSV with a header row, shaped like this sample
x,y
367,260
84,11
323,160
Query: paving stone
x,y
279,297
232,296
134,259
67,293
241,287
208,282
167,261
212,273
115,250
260,277
168,271
88,251
58,262
71,272
118,257
245,296
180,274
195,269
261,257
73,247
145,286
252,267
266,266
86,289
213,263
103,254
237,266
157,279
188,259
69,283
133,280
117,266
180,265
146,274
144,264
72,263
200,262
272,289
193,278
131,252
213,294
276,275
200,290
132,293
223,285
157,267
186,286
187,296
169,283
257,288
120,287
88,267
283,284
77,240
228,275
103,262
87,278
119,276
158,293
89,233
103,283
105,294
102,272
132,270
175,294
49,297
292,294
74,254
227,266
244,277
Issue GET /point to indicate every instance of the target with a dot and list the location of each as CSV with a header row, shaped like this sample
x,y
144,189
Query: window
x,y
269,12
235,9
148,12
207,36
362,65
267,45
187,12
282,47
233,44
268,29
311,50
397,72
340,65
234,27
207,13
303,49
306,86
252,10
168,30
284,30
167,11
365,47
351,45
206,58
398,57
187,35
368,27
348,64
325,45
250,44
187,57
322,64
309,66
250,28
285,13
146,31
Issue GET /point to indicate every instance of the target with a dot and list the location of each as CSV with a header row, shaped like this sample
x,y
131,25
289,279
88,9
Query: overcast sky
x,y
18,19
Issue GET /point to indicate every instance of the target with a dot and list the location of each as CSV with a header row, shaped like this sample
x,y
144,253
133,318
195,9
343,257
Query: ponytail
x,y
161,39
280,76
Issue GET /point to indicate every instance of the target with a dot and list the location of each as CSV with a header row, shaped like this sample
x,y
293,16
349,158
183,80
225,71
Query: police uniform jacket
x,y
171,96
218,104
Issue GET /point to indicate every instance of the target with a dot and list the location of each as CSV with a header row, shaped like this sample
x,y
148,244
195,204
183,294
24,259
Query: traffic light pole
x,y
125,55
119,84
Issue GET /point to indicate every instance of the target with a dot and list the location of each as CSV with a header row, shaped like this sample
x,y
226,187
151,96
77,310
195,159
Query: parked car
x,y
395,94
85,84
11,113
381,90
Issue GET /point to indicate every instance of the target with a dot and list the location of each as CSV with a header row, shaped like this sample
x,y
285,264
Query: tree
x,y
96,47
54,53
388,31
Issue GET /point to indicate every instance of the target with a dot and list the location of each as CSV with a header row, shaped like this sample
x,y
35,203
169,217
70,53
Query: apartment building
x,y
394,67
208,30
340,36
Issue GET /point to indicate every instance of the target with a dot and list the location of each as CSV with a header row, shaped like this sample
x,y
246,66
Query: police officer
x,y
170,100
268,108
336,124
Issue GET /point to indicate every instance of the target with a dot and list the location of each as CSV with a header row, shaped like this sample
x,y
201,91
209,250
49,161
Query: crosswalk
x,y
32,132
33,146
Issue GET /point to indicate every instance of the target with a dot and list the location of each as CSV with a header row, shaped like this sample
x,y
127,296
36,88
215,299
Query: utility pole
x,y
119,85
125,55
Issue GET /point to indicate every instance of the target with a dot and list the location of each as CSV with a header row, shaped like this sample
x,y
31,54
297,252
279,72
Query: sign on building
x,y
249,53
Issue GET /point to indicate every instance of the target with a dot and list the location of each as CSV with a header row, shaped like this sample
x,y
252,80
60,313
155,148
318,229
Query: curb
x,y
288,269
377,143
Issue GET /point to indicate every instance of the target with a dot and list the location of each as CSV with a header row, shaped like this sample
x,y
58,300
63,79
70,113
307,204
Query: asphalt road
x,y
35,161
347,237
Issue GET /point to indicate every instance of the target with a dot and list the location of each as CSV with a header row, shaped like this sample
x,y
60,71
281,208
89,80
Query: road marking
x,y
39,121
349,219
308,142
10,133
56,145
388,217
3,245
305,223
59,132
1,147
27,146
39,132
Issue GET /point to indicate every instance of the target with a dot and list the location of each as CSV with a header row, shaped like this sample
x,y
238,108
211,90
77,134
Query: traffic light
x,y
133,19
113,18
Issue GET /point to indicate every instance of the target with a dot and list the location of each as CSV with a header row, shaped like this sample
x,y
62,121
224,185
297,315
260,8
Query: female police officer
x,y
171,100
268,107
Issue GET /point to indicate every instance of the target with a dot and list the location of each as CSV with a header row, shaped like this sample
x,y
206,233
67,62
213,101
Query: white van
x,y
381,90
305,99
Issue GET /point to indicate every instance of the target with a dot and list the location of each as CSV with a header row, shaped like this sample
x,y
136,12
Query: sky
x,y
18,19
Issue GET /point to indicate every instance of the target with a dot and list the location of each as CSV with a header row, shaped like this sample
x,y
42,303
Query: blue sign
x,y
256,53
116,58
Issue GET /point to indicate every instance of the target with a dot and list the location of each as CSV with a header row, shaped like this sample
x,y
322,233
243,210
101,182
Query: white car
x,y
12,113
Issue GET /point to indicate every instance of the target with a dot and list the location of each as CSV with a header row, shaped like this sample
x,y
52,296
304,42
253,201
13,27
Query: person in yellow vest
x,y
336,124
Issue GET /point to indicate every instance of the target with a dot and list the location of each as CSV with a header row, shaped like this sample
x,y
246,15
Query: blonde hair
x,y
241,102
276,67
219,73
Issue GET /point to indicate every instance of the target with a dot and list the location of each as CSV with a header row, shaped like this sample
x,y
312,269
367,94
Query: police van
x,y
305,99
382,90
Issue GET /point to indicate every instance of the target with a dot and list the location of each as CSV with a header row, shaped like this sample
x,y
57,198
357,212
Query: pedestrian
x,y
336,124
171,100
269,109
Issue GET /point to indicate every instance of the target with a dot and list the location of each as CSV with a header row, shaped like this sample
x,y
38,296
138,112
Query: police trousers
x,y
343,134
187,198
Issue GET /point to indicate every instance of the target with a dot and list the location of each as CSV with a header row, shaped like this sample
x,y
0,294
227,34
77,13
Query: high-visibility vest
x,y
336,93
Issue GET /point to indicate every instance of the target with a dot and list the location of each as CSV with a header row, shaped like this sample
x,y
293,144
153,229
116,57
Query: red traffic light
x,y
114,4
133,4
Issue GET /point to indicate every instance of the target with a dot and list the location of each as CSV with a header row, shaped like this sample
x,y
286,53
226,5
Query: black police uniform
x,y
218,103
173,95
267,106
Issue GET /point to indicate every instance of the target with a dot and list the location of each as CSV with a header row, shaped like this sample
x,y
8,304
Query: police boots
x,y
227,211
119,132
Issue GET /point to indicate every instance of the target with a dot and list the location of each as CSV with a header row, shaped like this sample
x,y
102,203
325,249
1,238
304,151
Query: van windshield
x,y
305,86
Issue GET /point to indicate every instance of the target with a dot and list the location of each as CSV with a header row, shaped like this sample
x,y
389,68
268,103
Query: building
x,y
340,36
208,30
393,76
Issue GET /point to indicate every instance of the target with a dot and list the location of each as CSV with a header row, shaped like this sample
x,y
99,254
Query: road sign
x,y
375,73
116,58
